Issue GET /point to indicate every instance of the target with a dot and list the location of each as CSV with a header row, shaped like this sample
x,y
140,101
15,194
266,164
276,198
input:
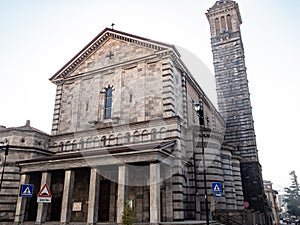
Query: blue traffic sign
x,y
26,190
217,188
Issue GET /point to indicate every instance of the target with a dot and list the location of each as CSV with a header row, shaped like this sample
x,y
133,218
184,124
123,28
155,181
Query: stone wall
x,y
24,142
234,97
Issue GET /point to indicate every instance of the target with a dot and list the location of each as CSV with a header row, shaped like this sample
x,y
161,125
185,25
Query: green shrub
x,y
128,215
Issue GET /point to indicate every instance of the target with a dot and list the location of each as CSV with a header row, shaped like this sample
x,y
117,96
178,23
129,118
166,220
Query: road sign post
x,y
26,190
44,196
217,188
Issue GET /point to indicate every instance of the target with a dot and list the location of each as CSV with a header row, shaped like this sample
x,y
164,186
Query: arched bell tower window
x,y
229,24
217,23
108,103
223,24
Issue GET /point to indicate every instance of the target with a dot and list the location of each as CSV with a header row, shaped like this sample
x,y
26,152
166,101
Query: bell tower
x,y
234,97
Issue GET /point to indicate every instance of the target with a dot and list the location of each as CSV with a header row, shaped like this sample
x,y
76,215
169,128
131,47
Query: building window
x,y
153,135
127,138
201,114
193,111
108,103
223,24
229,24
217,23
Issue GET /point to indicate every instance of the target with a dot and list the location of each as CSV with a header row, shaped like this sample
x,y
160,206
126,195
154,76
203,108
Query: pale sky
x,y
39,37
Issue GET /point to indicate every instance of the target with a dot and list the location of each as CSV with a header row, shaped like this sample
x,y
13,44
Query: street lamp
x,y
200,113
6,147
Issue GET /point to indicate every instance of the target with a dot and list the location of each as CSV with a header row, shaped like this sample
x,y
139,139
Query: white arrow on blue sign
x,y
26,190
217,188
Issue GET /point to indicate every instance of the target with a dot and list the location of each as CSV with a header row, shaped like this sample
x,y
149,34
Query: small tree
x,y
293,195
128,215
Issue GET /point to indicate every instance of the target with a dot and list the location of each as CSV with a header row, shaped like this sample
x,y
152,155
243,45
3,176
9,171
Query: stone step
x,y
112,223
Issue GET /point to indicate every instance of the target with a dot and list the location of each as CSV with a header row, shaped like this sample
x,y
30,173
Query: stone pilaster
x,y
112,202
57,105
123,178
168,94
236,169
229,188
93,197
42,207
154,193
21,202
67,197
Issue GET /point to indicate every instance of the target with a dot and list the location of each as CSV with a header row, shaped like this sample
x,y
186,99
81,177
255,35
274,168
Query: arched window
x,y
68,146
163,131
108,103
127,138
153,134
229,24
145,135
136,137
61,146
81,144
119,139
217,23
103,141
74,145
223,24
111,140
89,143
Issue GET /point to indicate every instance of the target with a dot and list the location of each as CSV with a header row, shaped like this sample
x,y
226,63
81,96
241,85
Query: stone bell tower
x,y
234,97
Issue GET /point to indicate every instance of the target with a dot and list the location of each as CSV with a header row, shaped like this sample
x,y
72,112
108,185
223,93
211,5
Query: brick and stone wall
x,y
24,142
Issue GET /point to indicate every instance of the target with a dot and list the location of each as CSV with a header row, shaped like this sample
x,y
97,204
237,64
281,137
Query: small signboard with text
x,y
44,196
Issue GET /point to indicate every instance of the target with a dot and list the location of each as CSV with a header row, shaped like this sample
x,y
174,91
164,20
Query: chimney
x,y
27,123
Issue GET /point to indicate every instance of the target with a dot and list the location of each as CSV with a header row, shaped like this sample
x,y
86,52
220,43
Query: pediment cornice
x,y
99,40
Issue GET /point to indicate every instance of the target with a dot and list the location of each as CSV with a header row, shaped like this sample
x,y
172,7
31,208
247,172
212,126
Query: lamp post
x,y
6,147
199,110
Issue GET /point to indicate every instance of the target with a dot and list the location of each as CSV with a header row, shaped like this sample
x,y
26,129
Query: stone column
x,y
112,202
21,202
66,206
42,207
169,198
154,193
123,173
93,197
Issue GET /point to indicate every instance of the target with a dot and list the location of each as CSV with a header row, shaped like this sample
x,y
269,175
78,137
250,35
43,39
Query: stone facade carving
x,y
141,142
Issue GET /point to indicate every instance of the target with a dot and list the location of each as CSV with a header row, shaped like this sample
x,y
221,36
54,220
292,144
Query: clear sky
x,y
39,37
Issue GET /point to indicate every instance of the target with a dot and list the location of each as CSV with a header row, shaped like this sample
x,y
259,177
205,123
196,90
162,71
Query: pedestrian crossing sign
x,y
26,190
217,188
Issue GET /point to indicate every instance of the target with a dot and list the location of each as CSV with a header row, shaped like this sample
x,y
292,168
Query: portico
x,y
81,193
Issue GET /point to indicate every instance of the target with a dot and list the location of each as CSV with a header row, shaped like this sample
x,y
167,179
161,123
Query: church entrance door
x,y
56,208
104,196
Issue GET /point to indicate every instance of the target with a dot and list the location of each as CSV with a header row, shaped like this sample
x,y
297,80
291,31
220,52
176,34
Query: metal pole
x,y
204,176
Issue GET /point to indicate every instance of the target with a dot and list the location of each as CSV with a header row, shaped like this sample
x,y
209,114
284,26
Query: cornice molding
x,y
161,48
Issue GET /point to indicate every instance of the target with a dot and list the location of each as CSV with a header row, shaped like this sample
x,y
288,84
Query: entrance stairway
x,y
163,223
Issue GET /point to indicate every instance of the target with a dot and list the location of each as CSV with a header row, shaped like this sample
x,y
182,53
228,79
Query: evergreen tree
x,y
128,215
293,195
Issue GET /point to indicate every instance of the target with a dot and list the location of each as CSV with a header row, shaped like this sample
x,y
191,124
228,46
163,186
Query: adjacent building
x,y
272,202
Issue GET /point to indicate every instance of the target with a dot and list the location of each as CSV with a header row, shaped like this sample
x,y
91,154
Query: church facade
x,y
125,129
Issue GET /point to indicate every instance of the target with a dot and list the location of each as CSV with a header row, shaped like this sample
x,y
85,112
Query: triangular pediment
x,y
110,48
